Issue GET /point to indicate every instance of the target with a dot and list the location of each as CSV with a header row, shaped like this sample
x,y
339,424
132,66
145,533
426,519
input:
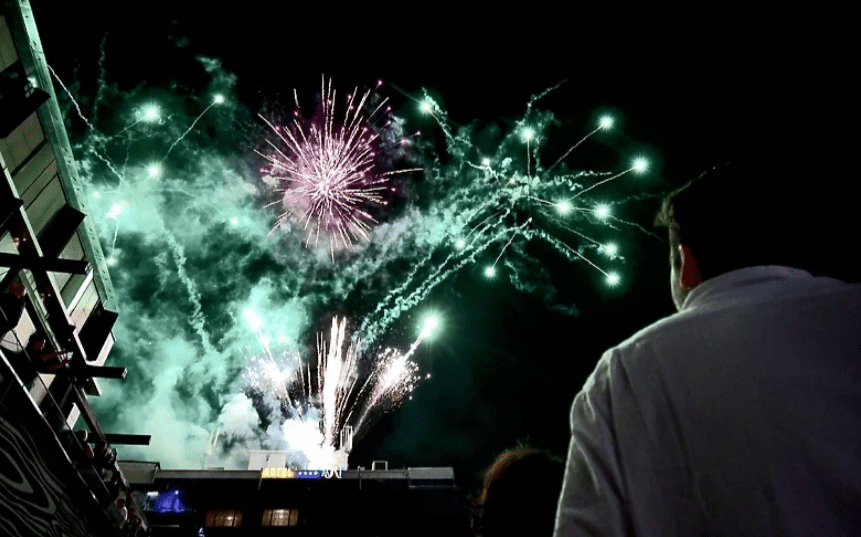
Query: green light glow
x,y
528,134
150,113
427,107
430,324
606,122
154,170
612,279
610,249
253,319
461,244
641,165
602,211
219,99
490,272
115,211
485,162
563,207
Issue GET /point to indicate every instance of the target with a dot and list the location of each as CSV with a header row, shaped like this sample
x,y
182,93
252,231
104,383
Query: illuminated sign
x,y
290,473
278,473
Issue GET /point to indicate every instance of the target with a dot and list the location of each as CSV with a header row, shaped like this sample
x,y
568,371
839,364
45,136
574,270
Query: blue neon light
x,y
170,502
309,474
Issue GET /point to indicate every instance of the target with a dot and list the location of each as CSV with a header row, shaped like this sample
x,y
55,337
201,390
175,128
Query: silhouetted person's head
x,y
520,494
744,215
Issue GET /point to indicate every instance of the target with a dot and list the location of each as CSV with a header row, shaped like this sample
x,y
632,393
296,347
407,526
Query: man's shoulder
x,y
669,325
676,330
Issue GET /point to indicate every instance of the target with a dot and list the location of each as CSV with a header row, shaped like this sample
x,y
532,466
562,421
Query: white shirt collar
x,y
733,280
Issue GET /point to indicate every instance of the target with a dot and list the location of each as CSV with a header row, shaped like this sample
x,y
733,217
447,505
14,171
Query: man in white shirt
x,y
739,415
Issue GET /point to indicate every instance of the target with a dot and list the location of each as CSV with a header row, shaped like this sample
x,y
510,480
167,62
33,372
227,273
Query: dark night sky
x,y
688,93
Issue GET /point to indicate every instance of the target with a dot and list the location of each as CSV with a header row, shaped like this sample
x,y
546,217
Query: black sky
x,y
689,92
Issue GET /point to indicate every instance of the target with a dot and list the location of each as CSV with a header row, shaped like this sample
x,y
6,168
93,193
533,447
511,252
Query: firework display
x,y
217,304
332,393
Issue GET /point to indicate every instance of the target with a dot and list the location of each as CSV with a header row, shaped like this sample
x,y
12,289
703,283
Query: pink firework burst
x,y
327,170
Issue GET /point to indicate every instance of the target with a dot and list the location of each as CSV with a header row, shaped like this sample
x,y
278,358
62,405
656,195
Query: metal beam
x,y
17,262
8,208
128,439
103,372
87,413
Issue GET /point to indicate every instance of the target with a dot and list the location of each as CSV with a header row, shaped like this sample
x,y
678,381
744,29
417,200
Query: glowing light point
x,y
253,319
640,165
112,261
461,244
612,279
485,162
115,211
219,99
33,82
606,122
430,324
427,107
97,195
234,221
528,134
150,113
610,248
563,207
154,170
490,272
602,211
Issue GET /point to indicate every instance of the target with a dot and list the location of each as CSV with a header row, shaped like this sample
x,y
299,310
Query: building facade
x,y
57,312
284,501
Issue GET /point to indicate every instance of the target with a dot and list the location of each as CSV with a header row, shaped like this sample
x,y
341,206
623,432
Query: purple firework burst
x,y
327,170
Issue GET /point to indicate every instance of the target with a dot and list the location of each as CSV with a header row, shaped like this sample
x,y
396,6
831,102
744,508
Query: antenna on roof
x,y
213,441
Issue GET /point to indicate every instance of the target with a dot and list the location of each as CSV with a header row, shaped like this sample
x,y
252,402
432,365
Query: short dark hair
x,y
738,215
521,492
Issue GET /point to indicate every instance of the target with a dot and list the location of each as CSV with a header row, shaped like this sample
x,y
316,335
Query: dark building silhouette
x,y
57,312
284,501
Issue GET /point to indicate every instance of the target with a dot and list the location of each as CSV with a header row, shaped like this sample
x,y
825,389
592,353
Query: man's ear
x,y
689,274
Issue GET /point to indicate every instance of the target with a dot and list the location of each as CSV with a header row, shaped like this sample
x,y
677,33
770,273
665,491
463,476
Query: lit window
x,y
223,518
280,517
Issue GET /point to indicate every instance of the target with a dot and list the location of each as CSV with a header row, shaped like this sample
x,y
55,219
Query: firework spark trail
x,y
405,303
428,257
108,163
116,232
394,377
561,247
100,85
197,320
535,98
215,101
97,138
575,146
620,174
507,244
69,93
